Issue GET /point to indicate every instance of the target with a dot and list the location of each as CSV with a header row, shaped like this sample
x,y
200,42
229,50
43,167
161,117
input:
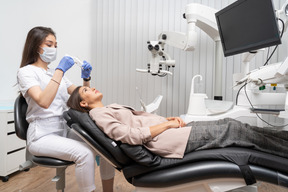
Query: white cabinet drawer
x,y
10,122
14,143
10,127
14,160
10,116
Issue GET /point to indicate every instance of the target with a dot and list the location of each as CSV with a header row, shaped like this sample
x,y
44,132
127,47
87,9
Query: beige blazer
x,y
123,123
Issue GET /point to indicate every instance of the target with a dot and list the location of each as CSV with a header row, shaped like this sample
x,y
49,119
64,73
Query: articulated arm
x,y
196,15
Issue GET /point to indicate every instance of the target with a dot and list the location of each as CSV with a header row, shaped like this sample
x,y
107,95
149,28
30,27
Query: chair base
x,y
60,166
209,185
60,178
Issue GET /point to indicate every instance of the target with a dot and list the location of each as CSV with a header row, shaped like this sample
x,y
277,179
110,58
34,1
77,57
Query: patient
x,y
170,137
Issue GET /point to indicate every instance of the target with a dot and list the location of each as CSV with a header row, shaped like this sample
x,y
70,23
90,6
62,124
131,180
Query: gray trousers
x,y
229,132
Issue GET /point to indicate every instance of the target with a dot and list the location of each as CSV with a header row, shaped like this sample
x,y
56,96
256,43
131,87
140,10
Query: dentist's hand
x,y
86,70
65,64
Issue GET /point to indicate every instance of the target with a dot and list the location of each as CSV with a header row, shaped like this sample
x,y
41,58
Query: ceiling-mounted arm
x,y
196,15
202,17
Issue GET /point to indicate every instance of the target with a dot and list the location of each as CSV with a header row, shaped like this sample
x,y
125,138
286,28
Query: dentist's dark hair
x,y
74,101
34,39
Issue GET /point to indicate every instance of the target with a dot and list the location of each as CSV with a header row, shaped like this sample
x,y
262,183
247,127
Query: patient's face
x,y
90,95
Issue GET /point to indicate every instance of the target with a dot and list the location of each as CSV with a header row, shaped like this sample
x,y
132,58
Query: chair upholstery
x,y
21,126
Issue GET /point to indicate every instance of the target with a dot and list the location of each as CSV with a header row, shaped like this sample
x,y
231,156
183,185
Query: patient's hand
x,y
177,120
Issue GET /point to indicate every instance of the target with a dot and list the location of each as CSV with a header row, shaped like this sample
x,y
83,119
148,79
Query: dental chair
x,y
21,126
212,170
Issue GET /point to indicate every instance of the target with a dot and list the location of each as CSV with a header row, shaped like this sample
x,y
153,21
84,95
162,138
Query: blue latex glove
x,y
86,70
65,63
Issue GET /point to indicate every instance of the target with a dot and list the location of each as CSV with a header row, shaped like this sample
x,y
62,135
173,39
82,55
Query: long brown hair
x,y
35,38
74,101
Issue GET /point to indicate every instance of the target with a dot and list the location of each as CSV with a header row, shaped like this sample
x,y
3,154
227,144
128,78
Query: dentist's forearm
x,y
49,93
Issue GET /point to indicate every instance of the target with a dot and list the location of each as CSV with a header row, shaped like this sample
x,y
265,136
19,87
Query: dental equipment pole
x,y
218,71
247,57
196,15
204,18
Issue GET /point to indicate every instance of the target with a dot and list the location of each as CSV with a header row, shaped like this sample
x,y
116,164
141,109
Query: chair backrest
x,y
21,125
84,120
123,153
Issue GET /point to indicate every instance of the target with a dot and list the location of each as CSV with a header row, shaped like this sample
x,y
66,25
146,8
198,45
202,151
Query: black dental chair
x,y
21,126
206,170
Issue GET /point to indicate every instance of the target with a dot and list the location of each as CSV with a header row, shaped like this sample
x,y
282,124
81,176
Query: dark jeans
x,y
229,132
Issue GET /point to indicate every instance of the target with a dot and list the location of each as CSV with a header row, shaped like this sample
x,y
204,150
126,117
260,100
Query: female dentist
x,y
46,92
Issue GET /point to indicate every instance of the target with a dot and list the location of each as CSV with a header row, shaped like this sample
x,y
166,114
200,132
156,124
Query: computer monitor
x,y
247,25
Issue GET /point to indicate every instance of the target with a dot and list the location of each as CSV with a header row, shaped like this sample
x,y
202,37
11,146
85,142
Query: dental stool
x,y
21,126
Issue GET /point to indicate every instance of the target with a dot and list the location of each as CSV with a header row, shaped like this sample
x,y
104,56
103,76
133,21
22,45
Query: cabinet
x,y
12,149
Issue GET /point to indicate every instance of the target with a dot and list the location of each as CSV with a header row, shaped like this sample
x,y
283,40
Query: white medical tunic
x,y
30,76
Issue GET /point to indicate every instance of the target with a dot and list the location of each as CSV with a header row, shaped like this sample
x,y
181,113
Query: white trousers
x,y
53,138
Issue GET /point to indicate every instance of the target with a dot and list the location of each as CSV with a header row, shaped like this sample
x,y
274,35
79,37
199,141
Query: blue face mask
x,y
49,54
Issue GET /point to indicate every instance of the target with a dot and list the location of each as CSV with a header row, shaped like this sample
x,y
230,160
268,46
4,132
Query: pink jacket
x,y
123,123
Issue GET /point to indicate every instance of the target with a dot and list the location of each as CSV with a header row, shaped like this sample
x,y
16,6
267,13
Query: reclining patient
x,y
170,137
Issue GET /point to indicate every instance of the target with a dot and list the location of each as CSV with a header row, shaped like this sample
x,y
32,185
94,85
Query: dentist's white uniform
x,y
48,134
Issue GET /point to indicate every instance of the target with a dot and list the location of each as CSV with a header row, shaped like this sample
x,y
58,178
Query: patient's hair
x,y
74,101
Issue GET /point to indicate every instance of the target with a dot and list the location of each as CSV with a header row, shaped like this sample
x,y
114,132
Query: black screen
x,y
247,25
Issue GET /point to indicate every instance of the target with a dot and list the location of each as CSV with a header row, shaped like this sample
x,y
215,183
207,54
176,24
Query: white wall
x,y
112,35
70,19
